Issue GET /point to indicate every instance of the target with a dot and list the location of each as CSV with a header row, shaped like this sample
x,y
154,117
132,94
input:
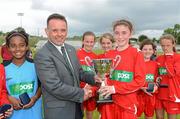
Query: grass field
x,y
96,116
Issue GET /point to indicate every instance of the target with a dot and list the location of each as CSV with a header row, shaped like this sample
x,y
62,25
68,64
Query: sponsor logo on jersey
x,y
122,76
20,88
149,77
162,71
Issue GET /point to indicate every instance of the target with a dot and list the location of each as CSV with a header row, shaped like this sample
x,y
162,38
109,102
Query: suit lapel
x,y
71,57
55,52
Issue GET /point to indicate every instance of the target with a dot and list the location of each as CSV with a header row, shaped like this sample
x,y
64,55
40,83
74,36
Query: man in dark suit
x,y
60,73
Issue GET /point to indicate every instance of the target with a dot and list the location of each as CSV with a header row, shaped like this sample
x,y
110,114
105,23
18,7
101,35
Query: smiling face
x,y
122,34
57,31
148,51
88,42
18,47
106,44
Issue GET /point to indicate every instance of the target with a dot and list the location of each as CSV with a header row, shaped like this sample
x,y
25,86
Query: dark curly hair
x,y
17,32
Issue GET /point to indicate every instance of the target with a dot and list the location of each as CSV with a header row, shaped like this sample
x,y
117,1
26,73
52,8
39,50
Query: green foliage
x,y
98,51
155,40
33,41
1,40
142,38
175,31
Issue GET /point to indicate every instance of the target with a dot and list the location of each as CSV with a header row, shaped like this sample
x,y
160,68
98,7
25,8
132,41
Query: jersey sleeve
x,y
172,64
3,99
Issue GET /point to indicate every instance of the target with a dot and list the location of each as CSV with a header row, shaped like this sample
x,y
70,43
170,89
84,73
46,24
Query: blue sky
x,y
150,17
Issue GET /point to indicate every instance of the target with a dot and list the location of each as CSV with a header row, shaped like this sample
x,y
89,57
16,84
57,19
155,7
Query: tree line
x,y
175,31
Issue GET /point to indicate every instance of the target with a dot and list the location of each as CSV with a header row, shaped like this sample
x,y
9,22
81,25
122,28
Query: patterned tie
x,y
66,59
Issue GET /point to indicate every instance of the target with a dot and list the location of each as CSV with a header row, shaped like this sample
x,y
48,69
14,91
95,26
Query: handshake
x,y
88,89
87,92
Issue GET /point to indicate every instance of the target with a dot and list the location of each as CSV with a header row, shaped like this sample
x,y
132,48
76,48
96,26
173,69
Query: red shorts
x,y
121,113
90,104
106,110
169,106
146,105
114,111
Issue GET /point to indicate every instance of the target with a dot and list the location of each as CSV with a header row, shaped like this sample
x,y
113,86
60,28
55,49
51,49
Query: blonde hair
x,y
107,36
169,37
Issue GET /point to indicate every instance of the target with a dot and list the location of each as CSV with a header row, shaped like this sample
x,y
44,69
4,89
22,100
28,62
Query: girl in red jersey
x,y
128,75
86,56
168,98
146,99
106,42
3,93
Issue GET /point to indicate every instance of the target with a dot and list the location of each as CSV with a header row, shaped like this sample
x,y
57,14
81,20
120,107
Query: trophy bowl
x,y
102,67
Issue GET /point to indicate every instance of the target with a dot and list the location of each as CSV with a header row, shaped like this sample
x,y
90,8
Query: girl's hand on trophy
x,y
106,91
98,79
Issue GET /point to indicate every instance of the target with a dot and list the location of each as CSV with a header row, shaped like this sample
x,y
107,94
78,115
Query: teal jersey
x,y
20,79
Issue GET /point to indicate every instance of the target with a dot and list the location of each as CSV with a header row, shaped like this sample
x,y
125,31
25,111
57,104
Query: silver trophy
x,y
102,67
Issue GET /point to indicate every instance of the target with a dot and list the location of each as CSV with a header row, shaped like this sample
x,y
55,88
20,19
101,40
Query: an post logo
x,y
149,77
162,71
20,88
123,76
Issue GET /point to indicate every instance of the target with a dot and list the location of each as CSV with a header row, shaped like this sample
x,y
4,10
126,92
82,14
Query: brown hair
x,y
123,22
147,42
108,36
88,33
169,37
56,16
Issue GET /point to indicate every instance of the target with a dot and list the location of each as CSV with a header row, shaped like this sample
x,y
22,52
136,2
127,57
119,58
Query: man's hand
x,y
87,92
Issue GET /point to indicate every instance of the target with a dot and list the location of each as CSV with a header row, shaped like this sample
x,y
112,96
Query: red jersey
x,y
106,109
146,103
169,71
3,91
128,77
151,71
85,59
104,55
5,54
82,55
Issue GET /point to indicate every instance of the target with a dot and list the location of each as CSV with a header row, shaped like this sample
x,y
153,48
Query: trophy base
x,y
104,100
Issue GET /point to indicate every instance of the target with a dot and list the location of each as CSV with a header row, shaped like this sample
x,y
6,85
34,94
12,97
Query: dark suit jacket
x,y
60,90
